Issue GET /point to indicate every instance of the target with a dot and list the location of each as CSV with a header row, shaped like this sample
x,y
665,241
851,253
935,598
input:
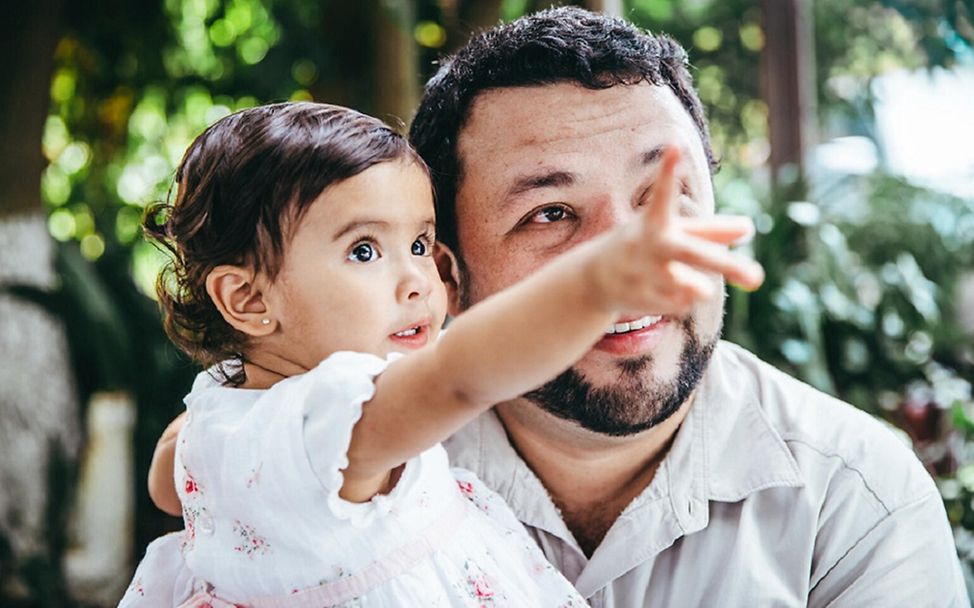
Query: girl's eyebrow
x,y
358,223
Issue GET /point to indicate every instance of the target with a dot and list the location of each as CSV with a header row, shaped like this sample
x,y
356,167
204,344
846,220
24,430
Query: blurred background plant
x,y
870,260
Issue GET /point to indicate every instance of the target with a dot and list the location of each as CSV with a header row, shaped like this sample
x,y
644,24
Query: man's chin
x,y
624,408
650,371
637,394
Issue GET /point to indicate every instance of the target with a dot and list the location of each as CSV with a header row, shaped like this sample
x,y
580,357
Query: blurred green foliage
x,y
862,276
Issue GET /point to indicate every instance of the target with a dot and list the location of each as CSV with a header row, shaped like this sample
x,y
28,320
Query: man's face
x,y
545,168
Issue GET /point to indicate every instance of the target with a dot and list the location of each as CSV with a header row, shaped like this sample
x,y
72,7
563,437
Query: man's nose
x,y
414,283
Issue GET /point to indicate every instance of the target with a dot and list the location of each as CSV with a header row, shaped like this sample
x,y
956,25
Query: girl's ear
x,y
236,295
446,264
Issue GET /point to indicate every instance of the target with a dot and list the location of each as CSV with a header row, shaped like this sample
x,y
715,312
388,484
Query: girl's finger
x,y
723,229
690,281
663,204
710,257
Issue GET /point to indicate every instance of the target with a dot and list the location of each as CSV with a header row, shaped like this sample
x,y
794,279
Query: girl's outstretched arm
x,y
517,339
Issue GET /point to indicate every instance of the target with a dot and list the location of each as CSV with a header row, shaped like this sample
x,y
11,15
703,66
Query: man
x,y
666,468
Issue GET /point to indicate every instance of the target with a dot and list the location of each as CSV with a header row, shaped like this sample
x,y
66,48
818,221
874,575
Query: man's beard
x,y
629,407
632,405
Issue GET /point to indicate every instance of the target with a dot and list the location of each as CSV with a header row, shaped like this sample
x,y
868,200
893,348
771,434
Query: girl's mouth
x,y
412,337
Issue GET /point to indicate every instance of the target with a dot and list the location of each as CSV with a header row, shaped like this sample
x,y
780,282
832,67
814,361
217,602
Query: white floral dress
x,y
258,474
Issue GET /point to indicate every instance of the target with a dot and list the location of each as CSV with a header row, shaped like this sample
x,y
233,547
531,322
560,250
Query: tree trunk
x,y
38,405
396,67
612,8
788,82
463,19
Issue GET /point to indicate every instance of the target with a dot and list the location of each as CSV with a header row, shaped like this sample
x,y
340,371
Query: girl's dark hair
x,y
565,44
239,186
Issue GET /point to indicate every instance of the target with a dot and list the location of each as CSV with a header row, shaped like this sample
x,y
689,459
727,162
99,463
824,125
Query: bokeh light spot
x,y
707,39
253,50
61,224
752,37
430,34
92,246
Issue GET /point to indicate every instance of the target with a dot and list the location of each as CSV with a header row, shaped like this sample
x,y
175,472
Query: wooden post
x,y
788,84
29,34
612,8
396,66
465,19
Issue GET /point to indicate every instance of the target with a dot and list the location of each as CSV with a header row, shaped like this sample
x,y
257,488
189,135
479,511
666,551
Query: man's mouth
x,y
634,325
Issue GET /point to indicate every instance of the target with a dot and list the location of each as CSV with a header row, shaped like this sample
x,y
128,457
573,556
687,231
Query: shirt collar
x,y
484,448
725,450
743,451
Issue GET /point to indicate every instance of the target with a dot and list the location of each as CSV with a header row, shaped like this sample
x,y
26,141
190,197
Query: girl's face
x,y
358,272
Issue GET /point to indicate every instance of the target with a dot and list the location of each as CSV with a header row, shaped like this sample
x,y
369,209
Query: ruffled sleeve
x,y
162,579
333,394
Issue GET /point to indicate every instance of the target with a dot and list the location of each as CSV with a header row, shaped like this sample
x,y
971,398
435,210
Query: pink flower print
x,y
254,478
251,544
190,514
136,587
191,488
466,488
481,589
469,492
478,586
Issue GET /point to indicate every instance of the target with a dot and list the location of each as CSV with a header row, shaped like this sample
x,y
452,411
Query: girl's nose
x,y
414,283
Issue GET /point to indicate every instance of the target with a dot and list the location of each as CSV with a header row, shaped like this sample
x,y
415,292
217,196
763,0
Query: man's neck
x,y
590,477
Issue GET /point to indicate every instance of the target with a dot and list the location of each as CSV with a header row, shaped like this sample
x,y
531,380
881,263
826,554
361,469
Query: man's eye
x,y
420,248
549,215
363,252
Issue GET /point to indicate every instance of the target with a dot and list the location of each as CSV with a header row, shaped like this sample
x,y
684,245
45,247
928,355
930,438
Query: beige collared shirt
x,y
772,494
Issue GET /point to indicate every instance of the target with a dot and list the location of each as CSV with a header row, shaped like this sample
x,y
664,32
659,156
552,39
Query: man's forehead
x,y
517,117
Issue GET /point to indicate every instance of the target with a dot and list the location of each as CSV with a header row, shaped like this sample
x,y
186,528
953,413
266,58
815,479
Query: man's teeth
x,y
621,328
408,332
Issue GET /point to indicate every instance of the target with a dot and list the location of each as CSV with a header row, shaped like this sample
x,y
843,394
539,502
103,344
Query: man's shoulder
x,y
833,442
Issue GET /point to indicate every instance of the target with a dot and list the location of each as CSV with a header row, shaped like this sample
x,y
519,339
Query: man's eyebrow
x,y
651,156
356,224
546,179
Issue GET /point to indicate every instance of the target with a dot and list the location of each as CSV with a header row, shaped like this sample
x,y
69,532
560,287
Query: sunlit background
x,y
844,129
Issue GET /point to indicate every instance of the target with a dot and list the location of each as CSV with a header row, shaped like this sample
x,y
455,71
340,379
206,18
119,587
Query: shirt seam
x,y
845,465
868,532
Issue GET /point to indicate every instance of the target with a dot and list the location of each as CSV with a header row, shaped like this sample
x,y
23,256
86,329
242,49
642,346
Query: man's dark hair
x,y
566,44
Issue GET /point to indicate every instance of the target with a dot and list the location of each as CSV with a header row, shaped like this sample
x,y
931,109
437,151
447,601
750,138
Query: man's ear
x,y
235,293
449,269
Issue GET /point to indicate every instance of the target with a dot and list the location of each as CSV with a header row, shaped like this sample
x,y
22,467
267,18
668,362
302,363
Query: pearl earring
x,y
265,321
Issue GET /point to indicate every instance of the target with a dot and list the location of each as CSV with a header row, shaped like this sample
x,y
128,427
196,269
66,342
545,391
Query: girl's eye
x,y
363,252
420,248
548,215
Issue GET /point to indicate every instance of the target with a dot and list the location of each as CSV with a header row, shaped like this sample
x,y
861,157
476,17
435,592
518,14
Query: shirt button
x,y
205,524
